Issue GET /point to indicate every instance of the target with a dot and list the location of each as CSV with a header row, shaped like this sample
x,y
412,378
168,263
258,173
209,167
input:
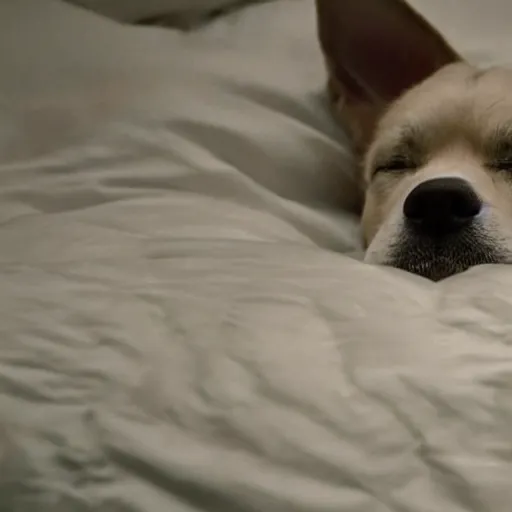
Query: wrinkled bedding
x,y
182,328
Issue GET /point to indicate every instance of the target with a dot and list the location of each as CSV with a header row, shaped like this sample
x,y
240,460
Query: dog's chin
x,y
439,259
439,267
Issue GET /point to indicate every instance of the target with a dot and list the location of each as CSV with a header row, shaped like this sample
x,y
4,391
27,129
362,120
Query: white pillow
x,y
232,116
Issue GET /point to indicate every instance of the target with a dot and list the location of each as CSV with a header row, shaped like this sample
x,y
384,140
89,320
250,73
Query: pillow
x,y
249,115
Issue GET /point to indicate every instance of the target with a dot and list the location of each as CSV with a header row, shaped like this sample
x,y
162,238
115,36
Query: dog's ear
x,y
375,50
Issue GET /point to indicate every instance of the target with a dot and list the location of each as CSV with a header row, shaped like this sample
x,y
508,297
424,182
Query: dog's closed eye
x,y
394,164
502,164
405,155
499,150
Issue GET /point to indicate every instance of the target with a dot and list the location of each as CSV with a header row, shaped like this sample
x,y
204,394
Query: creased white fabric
x,y
180,330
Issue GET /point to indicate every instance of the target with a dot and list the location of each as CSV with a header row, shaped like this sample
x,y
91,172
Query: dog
x,y
434,135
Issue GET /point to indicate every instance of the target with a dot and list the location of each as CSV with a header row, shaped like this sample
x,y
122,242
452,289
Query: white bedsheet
x,y
180,330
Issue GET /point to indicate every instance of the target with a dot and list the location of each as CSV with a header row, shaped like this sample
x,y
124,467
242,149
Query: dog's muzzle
x,y
443,234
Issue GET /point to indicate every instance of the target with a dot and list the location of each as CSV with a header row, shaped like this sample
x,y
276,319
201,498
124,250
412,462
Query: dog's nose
x,y
441,206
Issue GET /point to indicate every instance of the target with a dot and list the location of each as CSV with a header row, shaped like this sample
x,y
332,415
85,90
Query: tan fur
x,y
458,112
418,112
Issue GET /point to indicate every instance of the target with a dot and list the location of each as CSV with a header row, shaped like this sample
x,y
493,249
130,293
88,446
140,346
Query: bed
x,y
186,324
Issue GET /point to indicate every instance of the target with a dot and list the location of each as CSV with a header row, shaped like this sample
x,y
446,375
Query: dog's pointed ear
x,y
375,50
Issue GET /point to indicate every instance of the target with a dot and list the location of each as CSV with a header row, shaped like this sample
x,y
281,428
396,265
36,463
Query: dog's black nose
x,y
441,206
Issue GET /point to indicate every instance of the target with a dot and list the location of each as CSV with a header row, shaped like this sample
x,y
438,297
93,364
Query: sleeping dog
x,y
434,134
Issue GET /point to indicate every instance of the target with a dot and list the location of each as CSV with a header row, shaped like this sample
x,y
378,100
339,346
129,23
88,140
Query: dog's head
x,y
436,135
